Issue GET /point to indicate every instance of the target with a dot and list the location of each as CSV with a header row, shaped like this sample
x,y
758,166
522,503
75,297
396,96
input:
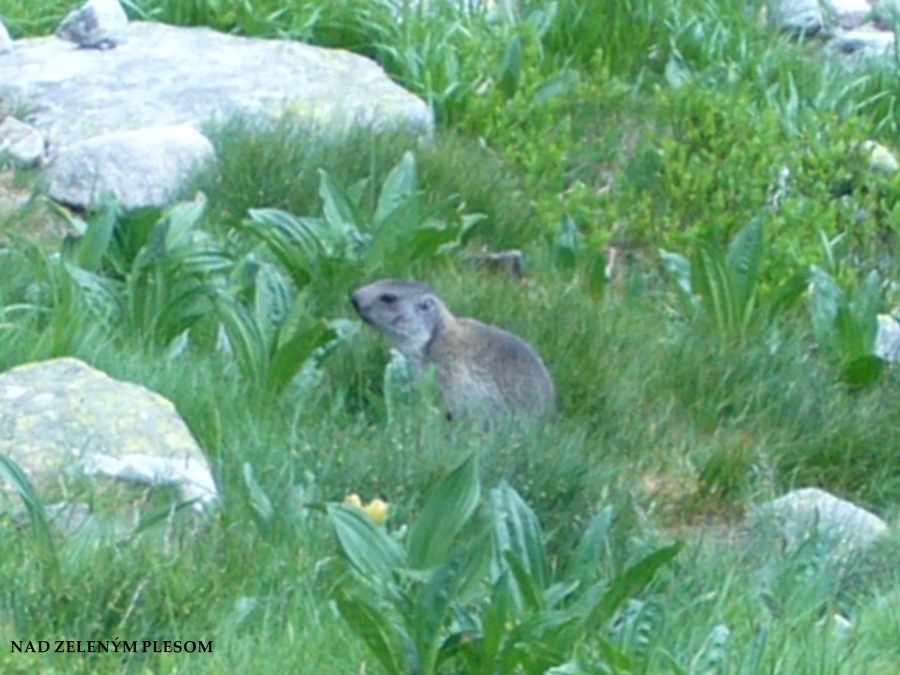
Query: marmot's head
x,y
407,312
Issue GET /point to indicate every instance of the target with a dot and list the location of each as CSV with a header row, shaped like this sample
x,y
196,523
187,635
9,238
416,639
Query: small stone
x,y
21,142
96,25
866,43
881,160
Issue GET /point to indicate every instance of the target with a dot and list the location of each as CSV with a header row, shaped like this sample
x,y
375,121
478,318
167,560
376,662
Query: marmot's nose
x,y
354,301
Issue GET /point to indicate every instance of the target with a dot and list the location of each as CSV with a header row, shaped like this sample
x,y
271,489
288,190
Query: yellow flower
x,y
377,510
353,500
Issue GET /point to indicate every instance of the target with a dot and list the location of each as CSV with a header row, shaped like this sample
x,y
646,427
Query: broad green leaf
x,y
864,309
497,614
340,211
585,561
679,268
272,300
94,245
595,275
36,514
517,529
181,220
375,628
511,73
259,500
432,608
567,244
543,640
531,594
744,260
561,84
185,305
787,294
863,371
160,515
367,547
102,295
399,187
296,242
386,248
290,356
428,243
825,301
449,507
244,336
630,582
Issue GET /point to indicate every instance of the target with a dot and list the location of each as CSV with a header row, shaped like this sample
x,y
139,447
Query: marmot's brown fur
x,y
482,371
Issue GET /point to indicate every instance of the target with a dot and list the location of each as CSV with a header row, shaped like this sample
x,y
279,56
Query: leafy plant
x,y
474,589
343,242
846,326
166,279
721,290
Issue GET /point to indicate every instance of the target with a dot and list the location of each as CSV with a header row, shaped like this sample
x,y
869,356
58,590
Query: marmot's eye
x,y
388,298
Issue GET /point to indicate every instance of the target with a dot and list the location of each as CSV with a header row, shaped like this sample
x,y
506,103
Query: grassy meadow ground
x,y
571,127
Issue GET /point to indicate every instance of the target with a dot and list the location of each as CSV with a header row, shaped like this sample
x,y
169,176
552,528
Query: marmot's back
x,y
482,371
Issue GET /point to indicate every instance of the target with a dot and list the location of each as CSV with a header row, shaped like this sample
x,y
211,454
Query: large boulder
x,y
64,423
164,76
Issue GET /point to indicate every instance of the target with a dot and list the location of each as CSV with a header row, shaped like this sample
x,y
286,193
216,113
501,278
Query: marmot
x,y
482,371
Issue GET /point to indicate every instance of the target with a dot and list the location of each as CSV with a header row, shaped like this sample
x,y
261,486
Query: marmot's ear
x,y
427,303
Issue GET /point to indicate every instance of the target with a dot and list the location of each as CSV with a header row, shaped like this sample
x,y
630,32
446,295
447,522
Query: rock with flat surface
x,y
21,142
167,76
62,421
144,167
844,529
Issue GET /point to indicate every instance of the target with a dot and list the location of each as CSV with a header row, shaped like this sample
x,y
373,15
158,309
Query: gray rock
x,y
6,44
810,16
96,25
509,262
847,13
166,75
887,340
62,421
796,16
845,529
881,160
865,42
145,167
21,142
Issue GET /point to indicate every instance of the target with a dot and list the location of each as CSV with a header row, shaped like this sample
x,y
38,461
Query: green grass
x,y
644,125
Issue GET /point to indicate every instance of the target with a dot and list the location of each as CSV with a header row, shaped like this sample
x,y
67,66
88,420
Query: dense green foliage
x,y
727,359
